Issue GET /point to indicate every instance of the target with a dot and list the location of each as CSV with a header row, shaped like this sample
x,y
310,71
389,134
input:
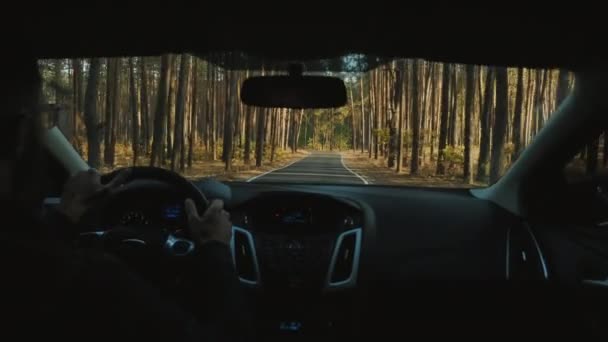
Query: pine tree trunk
x,y
468,123
161,114
445,110
453,126
213,115
519,97
228,124
259,142
363,131
77,101
299,126
528,109
400,111
192,139
133,108
433,111
352,120
144,104
415,120
562,87
273,134
500,124
180,99
116,111
372,113
249,113
484,145
377,99
171,110
90,113
111,65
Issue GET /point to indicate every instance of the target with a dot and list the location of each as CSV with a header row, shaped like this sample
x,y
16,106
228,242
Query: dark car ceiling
x,y
454,35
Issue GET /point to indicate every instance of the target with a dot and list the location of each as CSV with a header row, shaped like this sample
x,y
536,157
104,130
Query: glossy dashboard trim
x,y
540,253
354,272
238,230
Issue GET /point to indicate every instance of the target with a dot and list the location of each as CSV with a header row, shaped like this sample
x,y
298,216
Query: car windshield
x,y
407,121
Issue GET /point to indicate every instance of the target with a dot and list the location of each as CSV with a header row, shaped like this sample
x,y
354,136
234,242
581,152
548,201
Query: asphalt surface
x,y
316,168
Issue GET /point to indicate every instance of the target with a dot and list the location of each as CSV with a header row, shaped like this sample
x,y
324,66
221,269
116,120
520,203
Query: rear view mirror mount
x,y
294,91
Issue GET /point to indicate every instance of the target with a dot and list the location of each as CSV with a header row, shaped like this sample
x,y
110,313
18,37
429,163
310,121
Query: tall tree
x,y
443,122
519,99
144,104
485,126
193,113
108,125
249,114
363,130
400,114
213,114
90,113
58,83
468,123
562,87
396,144
453,126
134,113
112,108
259,141
115,109
500,123
274,118
352,119
77,98
377,101
415,121
178,135
160,116
228,114
172,98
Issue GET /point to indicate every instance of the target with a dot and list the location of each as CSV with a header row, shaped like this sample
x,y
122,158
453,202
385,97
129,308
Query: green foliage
x,y
454,155
509,149
382,134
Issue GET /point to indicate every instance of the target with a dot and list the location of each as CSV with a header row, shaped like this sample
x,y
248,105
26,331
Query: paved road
x,y
318,167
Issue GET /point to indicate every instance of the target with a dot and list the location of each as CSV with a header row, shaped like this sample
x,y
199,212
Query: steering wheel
x,y
147,238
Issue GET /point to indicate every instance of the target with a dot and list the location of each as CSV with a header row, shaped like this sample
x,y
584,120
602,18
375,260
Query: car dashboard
x,y
340,262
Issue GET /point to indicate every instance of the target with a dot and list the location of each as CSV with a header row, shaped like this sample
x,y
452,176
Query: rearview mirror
x,y
294,91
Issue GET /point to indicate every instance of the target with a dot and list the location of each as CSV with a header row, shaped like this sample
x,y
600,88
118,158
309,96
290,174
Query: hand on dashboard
x,y
213,225
84,190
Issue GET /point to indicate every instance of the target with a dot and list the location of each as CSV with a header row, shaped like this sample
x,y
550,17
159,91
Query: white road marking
x,y
273,170
353,172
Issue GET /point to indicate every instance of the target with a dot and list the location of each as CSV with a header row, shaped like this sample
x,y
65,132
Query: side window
x,y
591,162
587,179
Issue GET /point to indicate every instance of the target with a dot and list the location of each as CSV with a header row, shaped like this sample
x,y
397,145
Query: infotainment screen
x,y
295,216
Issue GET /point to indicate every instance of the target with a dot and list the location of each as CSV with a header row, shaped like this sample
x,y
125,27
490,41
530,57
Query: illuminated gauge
x,y
134,218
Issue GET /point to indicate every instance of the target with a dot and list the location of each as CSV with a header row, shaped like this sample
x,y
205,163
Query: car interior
x,y
526,256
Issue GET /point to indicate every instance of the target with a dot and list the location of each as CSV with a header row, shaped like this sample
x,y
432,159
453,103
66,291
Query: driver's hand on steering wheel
x,y
214,225
84,190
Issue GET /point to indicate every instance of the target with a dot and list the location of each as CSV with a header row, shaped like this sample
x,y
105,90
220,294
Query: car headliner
x,y
450,34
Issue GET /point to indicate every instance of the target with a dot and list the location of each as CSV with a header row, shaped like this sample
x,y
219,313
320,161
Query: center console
x,y
298,256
